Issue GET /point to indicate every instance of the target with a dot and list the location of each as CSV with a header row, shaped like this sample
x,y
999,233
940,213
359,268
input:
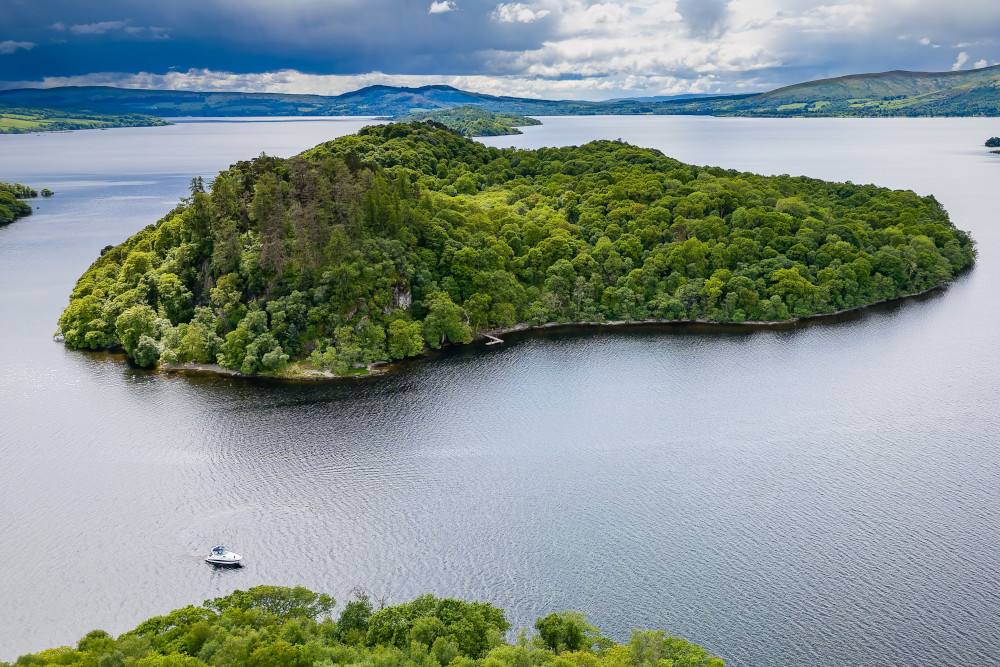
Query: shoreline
x,y
373,369
380,368
749,324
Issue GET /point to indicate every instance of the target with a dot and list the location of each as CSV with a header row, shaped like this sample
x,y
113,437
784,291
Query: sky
x,y
555,49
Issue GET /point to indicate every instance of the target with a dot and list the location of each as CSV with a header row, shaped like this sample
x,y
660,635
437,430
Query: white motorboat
x,y
222,556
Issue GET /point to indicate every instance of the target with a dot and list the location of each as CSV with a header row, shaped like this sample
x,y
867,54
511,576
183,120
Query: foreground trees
x,y
293,627
371,247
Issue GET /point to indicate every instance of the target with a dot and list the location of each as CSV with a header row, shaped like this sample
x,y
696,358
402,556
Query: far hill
x,y
370,101
964,93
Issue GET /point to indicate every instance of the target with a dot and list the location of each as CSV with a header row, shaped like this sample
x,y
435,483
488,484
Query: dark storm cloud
x,y
340,37
552,48
704,18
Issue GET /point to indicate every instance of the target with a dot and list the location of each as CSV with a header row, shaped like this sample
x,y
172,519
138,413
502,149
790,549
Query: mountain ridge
x,y
893,93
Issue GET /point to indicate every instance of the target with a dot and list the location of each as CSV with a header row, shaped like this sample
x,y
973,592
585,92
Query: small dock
x,y
493,340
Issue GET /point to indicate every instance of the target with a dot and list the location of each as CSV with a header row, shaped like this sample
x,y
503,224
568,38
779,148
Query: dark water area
x,y
819,494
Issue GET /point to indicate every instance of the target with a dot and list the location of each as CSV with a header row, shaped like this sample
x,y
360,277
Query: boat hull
x,y
225,561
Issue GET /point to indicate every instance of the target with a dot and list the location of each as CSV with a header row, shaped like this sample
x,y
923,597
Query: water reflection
x,y
817,493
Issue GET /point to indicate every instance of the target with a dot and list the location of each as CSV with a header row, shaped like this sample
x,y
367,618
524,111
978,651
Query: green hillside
x,y
964,93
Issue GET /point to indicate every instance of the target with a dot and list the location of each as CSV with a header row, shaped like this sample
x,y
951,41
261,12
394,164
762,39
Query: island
x,y
993,142
284,627
11,206
20,120
403,237
471,121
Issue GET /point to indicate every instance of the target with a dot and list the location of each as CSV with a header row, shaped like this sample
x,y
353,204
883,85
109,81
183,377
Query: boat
x,y
222,556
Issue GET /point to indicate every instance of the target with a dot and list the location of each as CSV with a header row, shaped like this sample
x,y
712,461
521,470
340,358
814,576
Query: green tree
x,y
566,631
133,324
405,339
445,321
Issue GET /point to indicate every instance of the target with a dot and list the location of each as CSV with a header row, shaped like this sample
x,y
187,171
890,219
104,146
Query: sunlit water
x,y
821,495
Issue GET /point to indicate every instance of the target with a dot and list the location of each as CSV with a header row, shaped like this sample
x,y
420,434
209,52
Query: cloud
x,y
979,64
105,27
704,18
11,46
151,32
580,48
963,58
96,28
511,12
291,81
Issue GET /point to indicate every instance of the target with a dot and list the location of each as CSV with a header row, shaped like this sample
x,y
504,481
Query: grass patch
x,y
18,120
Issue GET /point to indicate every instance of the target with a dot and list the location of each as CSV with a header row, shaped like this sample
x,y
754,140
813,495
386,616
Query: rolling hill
x,y
898,93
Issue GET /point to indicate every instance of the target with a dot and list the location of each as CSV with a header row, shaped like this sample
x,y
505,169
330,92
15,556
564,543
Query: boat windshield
x,y
219,550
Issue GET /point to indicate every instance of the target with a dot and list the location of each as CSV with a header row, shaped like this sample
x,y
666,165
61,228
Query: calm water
x,y
824,495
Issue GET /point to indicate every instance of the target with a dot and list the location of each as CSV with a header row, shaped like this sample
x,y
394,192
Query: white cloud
x,y
292,81
10,46
511,12
963,58
979,64
826,18
97,28
580,48
104,27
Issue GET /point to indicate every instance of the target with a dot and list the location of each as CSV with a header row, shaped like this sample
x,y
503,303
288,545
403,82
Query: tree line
x,y
272,626
375,246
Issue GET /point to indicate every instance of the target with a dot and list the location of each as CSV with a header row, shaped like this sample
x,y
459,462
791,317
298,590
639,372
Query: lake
x,y
820,494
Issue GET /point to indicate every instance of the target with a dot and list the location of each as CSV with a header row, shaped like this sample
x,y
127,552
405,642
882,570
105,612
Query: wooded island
x,y
470,121
11,205
373,246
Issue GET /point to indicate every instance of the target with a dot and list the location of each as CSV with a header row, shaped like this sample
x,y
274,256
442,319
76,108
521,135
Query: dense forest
x,y
470,121
271,626
372,246
11,206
